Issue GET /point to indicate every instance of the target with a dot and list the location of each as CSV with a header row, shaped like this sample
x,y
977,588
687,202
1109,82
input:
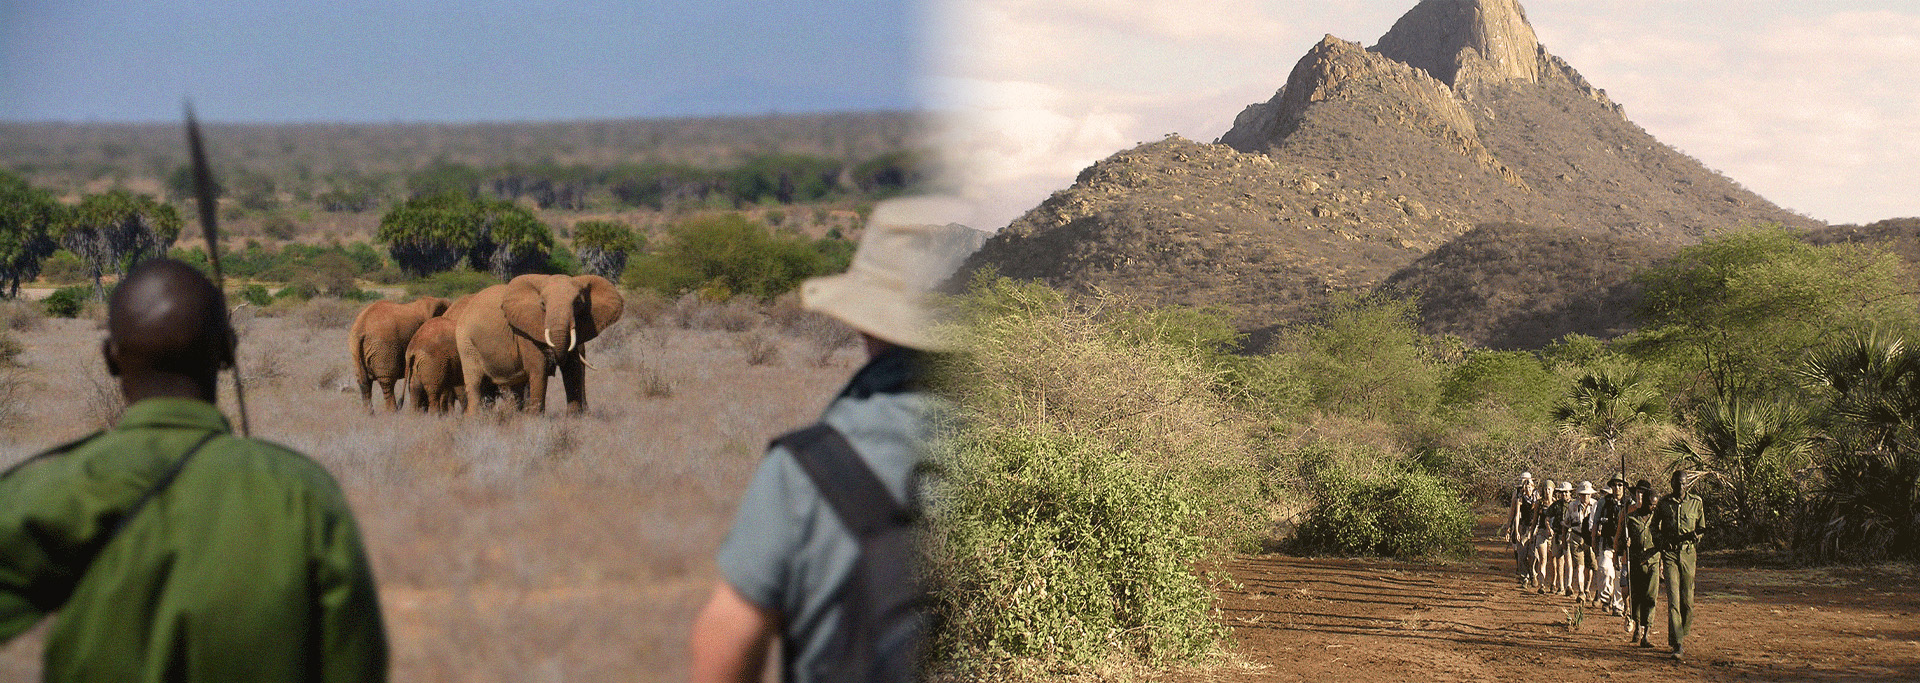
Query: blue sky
x,y
470,60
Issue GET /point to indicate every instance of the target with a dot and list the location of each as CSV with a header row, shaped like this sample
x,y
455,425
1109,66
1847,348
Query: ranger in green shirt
x,y
1643,561
1677,525
172,549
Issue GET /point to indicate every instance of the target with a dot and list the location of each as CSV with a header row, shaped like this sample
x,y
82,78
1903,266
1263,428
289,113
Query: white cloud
x,y
1813,112
1808,103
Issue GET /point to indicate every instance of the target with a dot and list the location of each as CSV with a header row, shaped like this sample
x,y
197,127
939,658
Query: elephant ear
x,y
524,308
604,305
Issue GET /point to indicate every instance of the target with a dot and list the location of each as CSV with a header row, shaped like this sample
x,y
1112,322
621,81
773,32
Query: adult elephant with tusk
x,y
514,336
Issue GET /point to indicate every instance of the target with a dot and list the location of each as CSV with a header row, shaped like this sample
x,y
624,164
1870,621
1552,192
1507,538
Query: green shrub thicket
x,y
67,302
451,284
1097,466
1378,507
728,254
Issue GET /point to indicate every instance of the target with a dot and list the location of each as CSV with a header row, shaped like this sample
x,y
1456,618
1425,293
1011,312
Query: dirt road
x,y
1306,619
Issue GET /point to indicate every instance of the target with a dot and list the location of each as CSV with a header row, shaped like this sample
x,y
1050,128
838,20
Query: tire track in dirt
x,y
1337,619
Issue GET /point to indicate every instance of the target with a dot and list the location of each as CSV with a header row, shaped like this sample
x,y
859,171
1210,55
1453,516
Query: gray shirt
x,y
788,551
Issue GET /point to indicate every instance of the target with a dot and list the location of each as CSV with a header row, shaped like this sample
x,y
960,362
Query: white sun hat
x,y
1586,488
911,245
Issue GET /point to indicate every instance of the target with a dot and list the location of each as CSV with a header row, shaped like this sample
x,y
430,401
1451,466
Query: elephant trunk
x,y
559,322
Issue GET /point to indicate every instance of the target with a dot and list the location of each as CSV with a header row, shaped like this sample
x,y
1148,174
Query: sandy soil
x,y
1311,619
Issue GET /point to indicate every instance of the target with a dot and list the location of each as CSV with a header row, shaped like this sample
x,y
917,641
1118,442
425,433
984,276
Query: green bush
x,y
1058,548
256,294
1366,357
63,268
1096,467
67,302
728,254
1392,511
451,284
299,291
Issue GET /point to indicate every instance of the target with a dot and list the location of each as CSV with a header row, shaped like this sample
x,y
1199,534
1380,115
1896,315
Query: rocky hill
x,y
1512,286
1368,159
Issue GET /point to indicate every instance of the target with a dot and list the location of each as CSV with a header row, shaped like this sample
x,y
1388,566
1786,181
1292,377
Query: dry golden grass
x,y
507,547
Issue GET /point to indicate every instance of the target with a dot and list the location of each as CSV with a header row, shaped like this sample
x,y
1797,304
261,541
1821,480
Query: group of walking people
x,y
1609,548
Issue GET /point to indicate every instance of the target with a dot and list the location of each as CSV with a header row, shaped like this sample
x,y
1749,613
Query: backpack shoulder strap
x,y
159,485
56,450
843,479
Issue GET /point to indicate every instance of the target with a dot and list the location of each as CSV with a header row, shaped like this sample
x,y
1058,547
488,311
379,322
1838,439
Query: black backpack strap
x,y
844,480
56,450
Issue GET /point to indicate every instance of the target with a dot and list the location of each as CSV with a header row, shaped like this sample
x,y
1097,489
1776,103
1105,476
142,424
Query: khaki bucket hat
x,y
911,245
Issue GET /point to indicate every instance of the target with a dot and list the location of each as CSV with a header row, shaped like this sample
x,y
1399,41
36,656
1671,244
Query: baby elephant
x,y
433,367
378,343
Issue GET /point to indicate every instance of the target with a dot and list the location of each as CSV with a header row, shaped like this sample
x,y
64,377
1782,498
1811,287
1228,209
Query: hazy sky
x,y
1814,105
459,60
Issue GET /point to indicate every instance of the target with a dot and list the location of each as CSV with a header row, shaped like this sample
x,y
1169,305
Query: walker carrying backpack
x,y
882,625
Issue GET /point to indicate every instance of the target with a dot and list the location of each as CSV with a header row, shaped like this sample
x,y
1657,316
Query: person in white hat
x,y
1519,522
804,519
1580,518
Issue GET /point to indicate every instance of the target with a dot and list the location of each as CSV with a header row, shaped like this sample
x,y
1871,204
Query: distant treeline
x,y
447,241
338,162
768,179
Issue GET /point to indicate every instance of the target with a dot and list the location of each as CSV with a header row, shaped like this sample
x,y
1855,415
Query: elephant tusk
x,y
546,335
573,336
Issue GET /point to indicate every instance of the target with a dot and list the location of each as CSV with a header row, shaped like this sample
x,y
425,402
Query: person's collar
x,y
897,369
173,412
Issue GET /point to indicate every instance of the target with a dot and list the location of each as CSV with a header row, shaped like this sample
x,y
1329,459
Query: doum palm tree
x,y
1753,448
1866,503
1604,404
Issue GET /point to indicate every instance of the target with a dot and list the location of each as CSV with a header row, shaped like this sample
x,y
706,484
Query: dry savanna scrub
x,y
507,547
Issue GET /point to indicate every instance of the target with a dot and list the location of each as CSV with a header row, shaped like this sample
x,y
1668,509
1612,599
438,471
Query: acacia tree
x,y
114,231
1740,311
1604,405
603,247
28,216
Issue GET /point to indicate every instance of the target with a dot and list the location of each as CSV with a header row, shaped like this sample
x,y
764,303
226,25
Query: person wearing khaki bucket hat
x,y
817,555
888,291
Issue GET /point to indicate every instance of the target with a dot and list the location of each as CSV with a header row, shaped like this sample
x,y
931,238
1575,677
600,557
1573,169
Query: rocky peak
x,y
1328,72
1484,41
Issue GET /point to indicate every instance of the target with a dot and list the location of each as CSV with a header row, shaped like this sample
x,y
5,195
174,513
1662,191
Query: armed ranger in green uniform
x,y
172,549
1643,561
1677,525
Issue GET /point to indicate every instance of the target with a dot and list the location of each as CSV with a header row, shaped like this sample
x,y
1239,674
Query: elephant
x,y
433,367
516,335
378,343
